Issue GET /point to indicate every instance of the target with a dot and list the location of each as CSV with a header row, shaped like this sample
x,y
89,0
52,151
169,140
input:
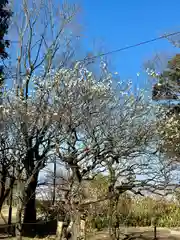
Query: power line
x,y
132,46
127,47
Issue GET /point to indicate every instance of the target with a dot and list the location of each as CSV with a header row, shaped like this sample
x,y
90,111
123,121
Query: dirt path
x,y
139,234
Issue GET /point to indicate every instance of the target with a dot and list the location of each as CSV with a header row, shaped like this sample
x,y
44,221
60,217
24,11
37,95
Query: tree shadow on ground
x,y
161,235
138,235
39,229
149,235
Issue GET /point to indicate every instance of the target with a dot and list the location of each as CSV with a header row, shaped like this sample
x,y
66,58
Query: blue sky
x,y
113,24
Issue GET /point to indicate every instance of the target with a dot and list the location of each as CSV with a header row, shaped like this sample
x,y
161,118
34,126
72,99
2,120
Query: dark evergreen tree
x,y
5,15
168,85
167,89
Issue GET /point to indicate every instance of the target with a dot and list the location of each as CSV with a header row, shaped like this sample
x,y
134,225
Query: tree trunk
x,y
59,232
10,213
18,228
83,229
75,229
11,198
2,188
54,184
110,217
30,201
4,192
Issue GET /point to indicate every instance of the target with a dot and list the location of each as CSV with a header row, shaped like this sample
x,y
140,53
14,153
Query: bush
x,y
137,212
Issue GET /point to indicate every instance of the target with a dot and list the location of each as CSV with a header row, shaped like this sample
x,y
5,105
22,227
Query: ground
x,y
139,234
147,234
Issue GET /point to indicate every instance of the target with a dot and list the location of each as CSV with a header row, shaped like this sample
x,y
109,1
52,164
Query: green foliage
x,y
173,72
167,88
99,185
45,210
99,222
168,81
138,212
